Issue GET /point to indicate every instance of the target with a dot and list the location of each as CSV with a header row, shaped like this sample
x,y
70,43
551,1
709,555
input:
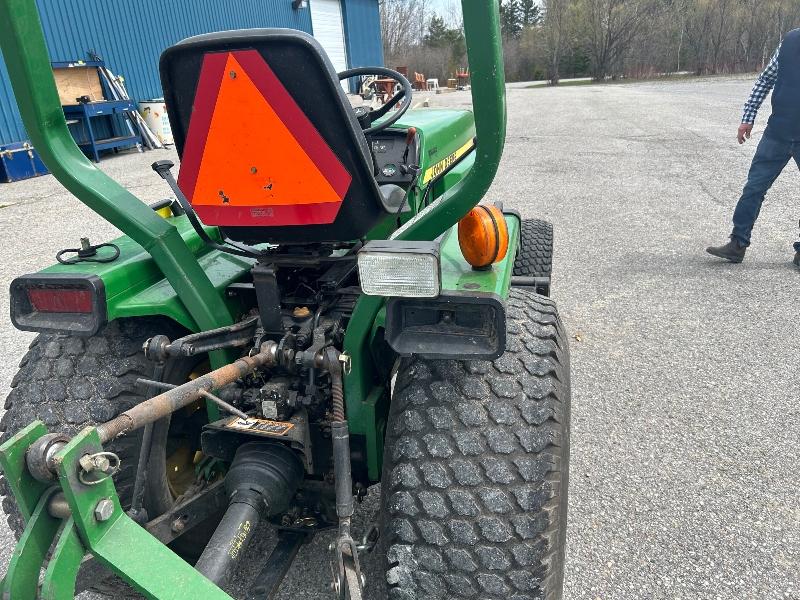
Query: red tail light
x,y
58,303
54,300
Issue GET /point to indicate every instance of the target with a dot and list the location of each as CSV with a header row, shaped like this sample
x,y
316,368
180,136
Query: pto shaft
x,y
231,538
261,483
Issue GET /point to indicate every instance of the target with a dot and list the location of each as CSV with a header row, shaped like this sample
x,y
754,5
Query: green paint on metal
x,y
23,46
457,174
26,489
22,578
363,375
485,54
459,276
111,541
432,121
441,132
365,387
160,298
83,499
376,406
62,568
135,287
464,188
145,570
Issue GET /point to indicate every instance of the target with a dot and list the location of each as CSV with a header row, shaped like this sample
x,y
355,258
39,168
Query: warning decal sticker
x,y
260,426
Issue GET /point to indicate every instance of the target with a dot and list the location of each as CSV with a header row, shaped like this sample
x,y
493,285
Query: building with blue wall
x,y
131,37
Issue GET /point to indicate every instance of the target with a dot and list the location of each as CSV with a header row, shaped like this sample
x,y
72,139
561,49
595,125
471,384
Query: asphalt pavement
x,y
685,474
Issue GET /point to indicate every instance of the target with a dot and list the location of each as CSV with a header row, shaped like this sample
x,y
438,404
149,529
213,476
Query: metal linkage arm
x,y
106,532
168,402
266,584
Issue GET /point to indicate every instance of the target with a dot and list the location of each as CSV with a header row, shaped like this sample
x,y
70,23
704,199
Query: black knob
x,y
162,167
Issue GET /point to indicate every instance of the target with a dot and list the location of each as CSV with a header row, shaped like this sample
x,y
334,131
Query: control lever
x,y
164,170
411,135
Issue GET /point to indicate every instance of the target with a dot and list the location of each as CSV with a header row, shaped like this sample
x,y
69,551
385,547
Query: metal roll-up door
x,y
328,27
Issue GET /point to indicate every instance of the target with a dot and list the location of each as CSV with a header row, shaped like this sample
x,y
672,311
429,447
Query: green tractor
x,y
325,305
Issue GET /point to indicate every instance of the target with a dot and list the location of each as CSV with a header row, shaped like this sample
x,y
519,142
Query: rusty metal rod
x,y
168,402
207,395
224,405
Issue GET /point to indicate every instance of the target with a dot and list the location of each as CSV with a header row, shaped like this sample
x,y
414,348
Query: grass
x,y
584,82
563,84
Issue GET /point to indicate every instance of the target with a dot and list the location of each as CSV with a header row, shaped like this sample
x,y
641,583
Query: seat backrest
x,y
270,148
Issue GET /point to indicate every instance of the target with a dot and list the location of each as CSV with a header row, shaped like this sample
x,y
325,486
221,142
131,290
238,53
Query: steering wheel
x,y
366,117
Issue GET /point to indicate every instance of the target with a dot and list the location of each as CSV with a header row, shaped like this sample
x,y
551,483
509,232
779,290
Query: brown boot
x,y
733,251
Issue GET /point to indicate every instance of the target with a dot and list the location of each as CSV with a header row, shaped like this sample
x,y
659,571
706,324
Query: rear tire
x,y
71,382
535,256
474,492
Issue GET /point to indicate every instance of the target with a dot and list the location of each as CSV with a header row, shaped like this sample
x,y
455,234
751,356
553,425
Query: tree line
x,y
556,39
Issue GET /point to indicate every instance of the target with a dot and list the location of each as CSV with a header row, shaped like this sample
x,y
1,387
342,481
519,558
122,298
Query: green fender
x,y
135,286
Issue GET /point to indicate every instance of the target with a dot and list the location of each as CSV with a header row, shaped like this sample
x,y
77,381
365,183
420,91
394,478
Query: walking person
x,y
779,144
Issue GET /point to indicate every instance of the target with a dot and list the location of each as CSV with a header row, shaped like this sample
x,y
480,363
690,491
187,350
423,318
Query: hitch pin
x,y
203,393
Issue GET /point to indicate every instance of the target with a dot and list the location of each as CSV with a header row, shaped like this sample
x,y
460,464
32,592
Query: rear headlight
x,y
400,269
55,302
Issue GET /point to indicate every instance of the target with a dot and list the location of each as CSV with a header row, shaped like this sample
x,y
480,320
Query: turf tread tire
x,y
476,468
71,382
535,256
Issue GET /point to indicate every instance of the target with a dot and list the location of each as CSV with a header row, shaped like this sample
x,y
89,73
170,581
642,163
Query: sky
x,y
447,8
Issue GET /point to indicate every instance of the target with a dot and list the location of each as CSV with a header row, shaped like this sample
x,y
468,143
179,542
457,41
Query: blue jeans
x,y
772,155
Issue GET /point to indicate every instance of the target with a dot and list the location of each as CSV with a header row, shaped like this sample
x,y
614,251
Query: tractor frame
x,y
165,269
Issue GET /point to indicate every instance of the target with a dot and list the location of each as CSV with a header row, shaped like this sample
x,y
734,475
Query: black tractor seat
x,y
270,148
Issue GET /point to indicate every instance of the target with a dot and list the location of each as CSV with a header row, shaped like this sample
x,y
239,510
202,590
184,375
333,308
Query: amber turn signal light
x,y
483,236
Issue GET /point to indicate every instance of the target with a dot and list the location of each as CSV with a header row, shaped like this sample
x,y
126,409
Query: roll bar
x,y
485,53
25,52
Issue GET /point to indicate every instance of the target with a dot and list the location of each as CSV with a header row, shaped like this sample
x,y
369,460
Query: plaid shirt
x,y
764,84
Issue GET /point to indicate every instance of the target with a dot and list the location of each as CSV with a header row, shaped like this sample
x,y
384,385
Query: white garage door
x,y
326,22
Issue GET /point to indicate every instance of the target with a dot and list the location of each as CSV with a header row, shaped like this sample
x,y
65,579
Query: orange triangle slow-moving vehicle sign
x,y
252,157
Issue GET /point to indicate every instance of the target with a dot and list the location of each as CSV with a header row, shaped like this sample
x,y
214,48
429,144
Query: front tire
x,y
474,492
535,256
